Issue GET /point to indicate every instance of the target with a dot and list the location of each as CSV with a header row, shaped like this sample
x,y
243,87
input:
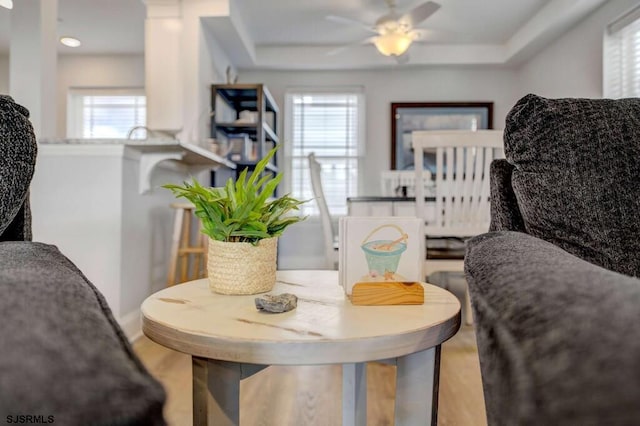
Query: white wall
x,y
572,65
77,71
108,71
4,74
213,64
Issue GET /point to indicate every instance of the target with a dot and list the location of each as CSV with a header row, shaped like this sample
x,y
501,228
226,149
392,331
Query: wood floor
x,y
306,396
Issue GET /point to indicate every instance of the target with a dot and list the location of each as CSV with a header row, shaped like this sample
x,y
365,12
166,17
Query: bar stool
x,y
182,250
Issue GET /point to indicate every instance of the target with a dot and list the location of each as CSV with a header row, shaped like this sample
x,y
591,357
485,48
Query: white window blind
x,y
329,125
622,56
106,113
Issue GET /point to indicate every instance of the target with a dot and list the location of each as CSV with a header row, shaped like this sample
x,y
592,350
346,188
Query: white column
x,y
181,62
33,61
164,64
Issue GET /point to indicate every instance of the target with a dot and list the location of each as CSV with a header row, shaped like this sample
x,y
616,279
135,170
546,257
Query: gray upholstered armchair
x,y
64,359
554,284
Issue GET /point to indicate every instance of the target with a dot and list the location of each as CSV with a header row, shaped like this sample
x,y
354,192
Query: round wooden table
x,y
229,339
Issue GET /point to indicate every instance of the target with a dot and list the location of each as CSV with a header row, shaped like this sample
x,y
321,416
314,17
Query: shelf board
x,y
245,95
249,128
232,127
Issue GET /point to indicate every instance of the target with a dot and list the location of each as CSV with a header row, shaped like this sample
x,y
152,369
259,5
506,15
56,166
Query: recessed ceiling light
x,y
70,41
6,3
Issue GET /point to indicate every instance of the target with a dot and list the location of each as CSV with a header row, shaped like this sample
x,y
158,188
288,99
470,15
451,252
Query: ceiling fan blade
x,y
349,46
419,13
338,50
349,21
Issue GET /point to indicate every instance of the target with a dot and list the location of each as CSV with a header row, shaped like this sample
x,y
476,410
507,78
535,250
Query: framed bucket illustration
x,y
383,256
380,249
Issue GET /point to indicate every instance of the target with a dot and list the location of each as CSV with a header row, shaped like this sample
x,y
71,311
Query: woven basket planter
x,y
242,268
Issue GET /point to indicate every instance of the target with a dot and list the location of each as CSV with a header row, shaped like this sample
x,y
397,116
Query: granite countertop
x,y
81,141
190,153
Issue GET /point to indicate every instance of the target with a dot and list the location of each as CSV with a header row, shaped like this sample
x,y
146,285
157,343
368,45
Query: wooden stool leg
x,y
184,244
197,253
200,255
175,246
188,262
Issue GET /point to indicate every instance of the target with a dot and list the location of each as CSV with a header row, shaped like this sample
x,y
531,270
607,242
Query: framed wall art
x,y
407,117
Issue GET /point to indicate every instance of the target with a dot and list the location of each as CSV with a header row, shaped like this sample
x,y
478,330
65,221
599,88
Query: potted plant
x,y
243,222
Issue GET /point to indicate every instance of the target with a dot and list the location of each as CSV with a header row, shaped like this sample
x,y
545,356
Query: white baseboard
x,y
131,325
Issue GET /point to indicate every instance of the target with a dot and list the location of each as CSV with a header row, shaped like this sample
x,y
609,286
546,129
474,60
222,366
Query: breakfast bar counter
x,y
101,203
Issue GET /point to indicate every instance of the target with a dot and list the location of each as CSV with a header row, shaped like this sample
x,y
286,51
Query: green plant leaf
x,y
261,166
269,189
241,211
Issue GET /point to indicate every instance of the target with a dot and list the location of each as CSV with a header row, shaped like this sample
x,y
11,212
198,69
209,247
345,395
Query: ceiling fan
x,y
394,31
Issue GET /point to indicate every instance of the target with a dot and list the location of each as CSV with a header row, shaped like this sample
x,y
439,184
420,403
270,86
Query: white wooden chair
x,y
461,185
328,232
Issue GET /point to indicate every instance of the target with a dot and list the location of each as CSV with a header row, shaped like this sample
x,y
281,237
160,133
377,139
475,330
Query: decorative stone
x,y
276,303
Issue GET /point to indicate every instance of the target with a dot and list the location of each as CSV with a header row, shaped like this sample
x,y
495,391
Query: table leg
x,y
417,388
216,392
354,394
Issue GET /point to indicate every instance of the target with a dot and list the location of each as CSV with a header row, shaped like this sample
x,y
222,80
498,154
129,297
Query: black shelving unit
x,y
228,101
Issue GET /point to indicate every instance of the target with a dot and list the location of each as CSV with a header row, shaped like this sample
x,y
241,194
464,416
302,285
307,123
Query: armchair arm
x,y
20,228
505,213
558,337
17,163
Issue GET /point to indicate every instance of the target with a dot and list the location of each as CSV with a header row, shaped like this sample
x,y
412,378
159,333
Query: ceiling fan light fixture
x,y
393,43
70,41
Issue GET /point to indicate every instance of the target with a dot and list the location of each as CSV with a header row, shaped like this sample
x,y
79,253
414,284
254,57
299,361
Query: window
x,y
330,125
106,113
622,56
